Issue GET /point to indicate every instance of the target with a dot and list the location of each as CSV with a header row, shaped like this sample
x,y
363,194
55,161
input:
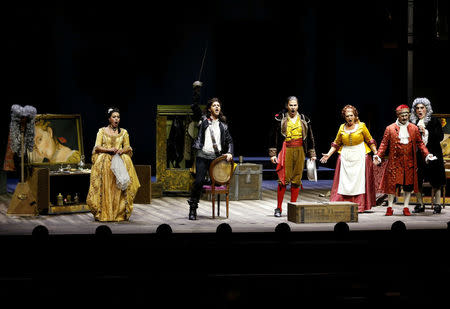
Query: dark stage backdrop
x,y
83,57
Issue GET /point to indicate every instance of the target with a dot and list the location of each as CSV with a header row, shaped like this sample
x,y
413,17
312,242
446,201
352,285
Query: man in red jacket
x,y
402,139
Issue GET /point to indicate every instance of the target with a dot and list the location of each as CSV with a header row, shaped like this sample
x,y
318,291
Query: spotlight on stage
x,y
224,229
103,232
282,228
341,227
40,232
164,231
398,226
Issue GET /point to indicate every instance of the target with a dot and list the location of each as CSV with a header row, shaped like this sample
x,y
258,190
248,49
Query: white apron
x,y
353,170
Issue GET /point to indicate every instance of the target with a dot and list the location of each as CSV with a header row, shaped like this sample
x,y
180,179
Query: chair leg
x,y
443,196
218,205
213,197
228,199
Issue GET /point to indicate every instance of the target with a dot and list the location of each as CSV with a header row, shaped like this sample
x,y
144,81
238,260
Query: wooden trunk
x,y
246,182
307,212
144,193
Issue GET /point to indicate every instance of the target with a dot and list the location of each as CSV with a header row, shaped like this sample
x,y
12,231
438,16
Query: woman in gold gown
x,y
106,201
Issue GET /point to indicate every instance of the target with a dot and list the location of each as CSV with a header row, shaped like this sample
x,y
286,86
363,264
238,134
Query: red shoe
x,y
389,211
406,211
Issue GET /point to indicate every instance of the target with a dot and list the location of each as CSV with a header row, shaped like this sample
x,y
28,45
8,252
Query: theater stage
x,y
245,216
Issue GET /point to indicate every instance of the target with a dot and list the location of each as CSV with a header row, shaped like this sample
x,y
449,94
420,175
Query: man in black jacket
x,y
432,135
213,140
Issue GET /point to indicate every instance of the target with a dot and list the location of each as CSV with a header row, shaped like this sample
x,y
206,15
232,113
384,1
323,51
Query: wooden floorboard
x,y
245,216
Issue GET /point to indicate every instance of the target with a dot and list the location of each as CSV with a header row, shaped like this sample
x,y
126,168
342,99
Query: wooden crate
x,y
246,183
144,193
308,212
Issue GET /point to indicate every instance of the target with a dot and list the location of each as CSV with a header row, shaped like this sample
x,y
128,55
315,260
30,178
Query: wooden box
x,y
46,184
144,193
246,182
308,212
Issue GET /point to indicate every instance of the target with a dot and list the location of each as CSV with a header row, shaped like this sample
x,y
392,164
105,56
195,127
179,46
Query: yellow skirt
x,y
106,201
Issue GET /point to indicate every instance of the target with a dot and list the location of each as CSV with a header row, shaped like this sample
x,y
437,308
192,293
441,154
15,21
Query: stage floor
x,y
246,216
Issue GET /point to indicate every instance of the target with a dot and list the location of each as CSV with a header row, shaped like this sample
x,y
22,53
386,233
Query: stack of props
x,y
23,202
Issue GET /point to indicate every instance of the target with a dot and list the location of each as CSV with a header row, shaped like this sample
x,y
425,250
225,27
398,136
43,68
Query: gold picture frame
x,y
172,178
58,140
445,143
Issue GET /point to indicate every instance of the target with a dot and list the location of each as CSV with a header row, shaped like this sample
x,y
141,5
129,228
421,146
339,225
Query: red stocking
x,y
294,193
280,194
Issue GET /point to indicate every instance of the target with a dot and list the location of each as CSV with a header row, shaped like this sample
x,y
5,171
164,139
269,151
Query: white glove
x,y
430,157
377,158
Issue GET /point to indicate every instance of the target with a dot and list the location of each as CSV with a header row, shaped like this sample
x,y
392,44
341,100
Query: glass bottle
x,y
59,200
81,163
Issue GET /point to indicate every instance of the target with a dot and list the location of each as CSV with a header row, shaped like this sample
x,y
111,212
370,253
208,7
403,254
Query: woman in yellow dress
x,y
106,201
353,178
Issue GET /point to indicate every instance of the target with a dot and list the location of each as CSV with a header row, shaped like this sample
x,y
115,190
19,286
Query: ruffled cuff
x,y
312,153
333,144
272,152
372,142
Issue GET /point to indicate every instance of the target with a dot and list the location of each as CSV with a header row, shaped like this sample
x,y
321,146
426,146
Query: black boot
x,y
419,208
277,212
193,205
192,213
437,209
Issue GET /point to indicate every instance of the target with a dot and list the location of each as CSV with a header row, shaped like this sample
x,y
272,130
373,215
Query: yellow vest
x,y
293,130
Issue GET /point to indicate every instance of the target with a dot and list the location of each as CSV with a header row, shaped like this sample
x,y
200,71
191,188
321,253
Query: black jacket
x,y
278,133
434,171
226,142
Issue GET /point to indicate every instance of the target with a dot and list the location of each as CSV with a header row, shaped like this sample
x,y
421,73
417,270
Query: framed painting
x,y
175,133
445,143
58,139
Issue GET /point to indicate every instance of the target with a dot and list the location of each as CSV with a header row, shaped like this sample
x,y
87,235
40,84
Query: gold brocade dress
x,y
106,201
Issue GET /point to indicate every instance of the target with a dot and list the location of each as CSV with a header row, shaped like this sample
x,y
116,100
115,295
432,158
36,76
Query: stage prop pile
x,y
23,203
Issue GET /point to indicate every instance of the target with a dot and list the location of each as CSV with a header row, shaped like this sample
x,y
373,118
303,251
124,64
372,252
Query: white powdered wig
x,y
413,118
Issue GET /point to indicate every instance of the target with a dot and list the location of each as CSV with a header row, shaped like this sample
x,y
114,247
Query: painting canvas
x,y
445,143
57,140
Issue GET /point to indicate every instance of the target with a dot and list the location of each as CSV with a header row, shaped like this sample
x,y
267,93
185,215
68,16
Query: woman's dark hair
x,y
112,110
222,117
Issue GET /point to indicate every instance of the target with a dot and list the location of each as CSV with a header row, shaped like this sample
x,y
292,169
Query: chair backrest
x,y
221,170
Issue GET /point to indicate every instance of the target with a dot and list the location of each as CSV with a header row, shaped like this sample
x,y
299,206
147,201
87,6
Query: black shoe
x,y
192,213
418,209
437,209
277,212
193,205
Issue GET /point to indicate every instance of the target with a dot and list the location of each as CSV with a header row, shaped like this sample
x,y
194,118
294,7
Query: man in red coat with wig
x,y
402,138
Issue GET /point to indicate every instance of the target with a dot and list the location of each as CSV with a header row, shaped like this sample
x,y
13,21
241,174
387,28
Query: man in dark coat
x,y
432,135
213,140
293,130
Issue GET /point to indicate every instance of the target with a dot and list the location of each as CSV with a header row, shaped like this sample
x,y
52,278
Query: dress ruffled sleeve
x,y
367,137
126,143
98,142
337,143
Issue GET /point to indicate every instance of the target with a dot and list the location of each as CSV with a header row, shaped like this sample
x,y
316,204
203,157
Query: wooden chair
x,y
220,172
